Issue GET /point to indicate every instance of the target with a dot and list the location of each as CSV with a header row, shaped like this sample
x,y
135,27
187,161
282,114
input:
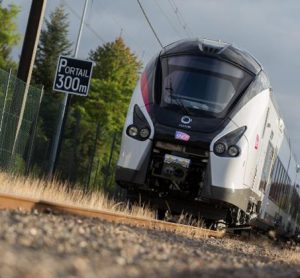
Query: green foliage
x,y
115,62
9,36
53,42
114,77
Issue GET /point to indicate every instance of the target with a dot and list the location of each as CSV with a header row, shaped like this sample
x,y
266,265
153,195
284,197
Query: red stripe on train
x,y
145,90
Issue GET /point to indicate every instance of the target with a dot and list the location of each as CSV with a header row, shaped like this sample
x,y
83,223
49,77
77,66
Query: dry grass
x,y
187,219
55,191
59,192
293,257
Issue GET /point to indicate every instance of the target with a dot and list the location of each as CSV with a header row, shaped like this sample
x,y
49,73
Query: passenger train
x,y
203,135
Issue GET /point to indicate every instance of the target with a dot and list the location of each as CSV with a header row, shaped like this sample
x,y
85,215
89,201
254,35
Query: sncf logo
x,y
182,136
186,120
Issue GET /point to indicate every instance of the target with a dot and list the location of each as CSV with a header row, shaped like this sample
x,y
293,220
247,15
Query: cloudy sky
x,y
268,29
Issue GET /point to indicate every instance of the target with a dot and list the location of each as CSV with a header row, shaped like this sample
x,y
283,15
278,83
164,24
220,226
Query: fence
x,y
15,152
89,155
88,161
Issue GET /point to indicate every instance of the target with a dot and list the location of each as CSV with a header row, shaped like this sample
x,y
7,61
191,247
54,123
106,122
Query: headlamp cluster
x,y
138,133
226,146
140,129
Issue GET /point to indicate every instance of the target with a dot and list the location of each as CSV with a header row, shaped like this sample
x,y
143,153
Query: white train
x,y
203,135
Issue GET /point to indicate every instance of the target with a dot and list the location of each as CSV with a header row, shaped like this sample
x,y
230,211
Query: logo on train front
x,y
186,120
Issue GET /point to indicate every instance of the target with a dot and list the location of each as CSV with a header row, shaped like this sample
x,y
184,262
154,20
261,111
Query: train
x,y
204,135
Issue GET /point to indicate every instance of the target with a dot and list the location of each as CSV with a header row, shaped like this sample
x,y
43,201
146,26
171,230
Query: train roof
x,y
214,48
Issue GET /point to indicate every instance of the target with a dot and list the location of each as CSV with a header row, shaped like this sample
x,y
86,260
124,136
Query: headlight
x,y
233,151
132,131
219,148
144,133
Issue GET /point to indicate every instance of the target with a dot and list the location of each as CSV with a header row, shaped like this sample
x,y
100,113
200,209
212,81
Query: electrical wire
x,y
149,23
92,30
168,19
180,18
117,22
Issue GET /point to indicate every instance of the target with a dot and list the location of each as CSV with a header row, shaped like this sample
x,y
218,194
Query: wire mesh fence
x,y
89,152
89,161
15,146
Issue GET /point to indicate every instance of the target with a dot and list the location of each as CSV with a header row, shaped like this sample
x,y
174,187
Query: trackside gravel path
x,y
46,245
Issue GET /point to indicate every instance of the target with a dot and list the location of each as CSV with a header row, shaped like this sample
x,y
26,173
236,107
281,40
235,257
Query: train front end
x,y
180,147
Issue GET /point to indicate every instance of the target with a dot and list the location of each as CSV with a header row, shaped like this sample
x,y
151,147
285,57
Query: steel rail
x,y
13,202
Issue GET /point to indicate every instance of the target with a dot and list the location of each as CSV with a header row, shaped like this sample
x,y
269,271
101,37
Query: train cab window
x,y
201,84
259,84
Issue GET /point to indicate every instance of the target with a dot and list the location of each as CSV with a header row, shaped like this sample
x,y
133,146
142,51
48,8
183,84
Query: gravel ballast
x,y
46,245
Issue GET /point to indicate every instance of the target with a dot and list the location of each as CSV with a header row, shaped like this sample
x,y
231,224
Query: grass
x,y
56,191
292,257
186,219
59,192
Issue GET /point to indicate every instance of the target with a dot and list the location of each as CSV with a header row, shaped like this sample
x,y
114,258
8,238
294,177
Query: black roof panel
x,y
219,49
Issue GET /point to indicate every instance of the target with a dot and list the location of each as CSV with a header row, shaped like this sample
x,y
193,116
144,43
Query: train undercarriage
x,y
177,181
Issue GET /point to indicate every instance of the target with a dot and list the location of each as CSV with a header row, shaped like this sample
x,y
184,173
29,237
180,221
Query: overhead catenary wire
x,y
92,30
176,31
113,18
180,18
149,23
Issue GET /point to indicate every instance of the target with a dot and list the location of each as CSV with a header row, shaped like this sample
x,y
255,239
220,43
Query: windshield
x,y
201,84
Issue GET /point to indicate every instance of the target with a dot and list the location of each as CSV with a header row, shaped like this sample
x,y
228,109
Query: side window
x,y
295,203
280,187
267,168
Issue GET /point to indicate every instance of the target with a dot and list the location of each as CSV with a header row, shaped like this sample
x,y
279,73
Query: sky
x,y
268,29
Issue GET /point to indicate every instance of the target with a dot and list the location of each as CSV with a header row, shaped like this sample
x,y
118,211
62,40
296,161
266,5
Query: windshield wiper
x,y
177,99
181,105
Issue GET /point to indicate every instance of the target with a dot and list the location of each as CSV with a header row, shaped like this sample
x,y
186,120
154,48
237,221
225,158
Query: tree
x,y
115,62
9,36
114,77
53,42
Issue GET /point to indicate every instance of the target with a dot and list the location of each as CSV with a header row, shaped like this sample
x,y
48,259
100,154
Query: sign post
x,y
61,83
72,76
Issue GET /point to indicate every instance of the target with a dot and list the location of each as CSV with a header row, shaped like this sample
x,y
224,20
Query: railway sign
x,y
73,76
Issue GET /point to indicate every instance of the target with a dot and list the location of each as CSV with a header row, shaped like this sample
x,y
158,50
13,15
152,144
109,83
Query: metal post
x,y
73,163
5,99
35,123
65,100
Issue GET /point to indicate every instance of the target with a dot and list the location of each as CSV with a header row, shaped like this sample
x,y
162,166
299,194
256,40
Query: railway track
x,y
13,202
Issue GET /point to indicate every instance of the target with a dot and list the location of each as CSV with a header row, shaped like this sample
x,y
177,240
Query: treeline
x,y
91,138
